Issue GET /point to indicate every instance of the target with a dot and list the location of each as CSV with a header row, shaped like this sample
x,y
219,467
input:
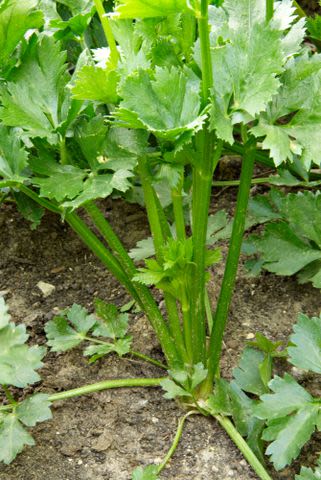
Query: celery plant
x,y
180,82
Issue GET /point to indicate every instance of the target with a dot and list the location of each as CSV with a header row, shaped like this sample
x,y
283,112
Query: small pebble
x,y
46,288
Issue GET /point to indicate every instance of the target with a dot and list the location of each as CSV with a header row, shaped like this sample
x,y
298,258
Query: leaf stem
x,y
176,440
243,447
229,278
114,54
105,385
9,396
142,356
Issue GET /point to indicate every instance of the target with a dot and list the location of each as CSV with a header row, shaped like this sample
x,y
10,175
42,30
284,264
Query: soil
x,y
105,435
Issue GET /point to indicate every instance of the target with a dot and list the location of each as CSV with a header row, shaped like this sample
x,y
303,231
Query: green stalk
x,y
63,152
269,9
177,200
114,54
9,396
159,238
105,385
243,447
98,387
227,288
202,180
299,10
139,355
176,440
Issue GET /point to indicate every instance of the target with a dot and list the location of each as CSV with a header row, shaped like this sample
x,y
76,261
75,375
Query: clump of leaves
x,y
18,368
291,243
75,326
283,414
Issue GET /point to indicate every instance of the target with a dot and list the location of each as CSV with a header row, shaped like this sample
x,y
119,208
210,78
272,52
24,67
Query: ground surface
x,y
104,436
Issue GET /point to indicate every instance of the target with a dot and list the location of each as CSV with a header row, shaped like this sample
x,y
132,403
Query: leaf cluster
x,y
18,366
290,243
75,326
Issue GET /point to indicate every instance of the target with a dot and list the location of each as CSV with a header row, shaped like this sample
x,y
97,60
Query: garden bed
x,y
105,435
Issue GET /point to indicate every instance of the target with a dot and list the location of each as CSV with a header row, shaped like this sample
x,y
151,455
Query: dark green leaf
x,y
13,157
149,104
29,209
120,346
247,375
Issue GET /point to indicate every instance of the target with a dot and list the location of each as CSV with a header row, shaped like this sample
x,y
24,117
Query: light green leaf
x,y
284,253
296,134
4,314
61,336
95,83
247,374
199,374
149,8
145,473
33,97
120,346
288,443
306,352
34,409
18,362
13,157
96,186
13,437
16,18
246,83
287,398
172,389
149,104
144,249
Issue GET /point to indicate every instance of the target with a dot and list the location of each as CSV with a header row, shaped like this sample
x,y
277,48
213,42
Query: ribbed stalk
x,y
232,261
269,9
159,238
177,200
114,55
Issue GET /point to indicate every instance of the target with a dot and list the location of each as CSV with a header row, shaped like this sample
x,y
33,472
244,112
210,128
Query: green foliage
x,y
147,473
293,245
184,382
18,365
246,375
18,362
147,103
305,349
75,325
148,8
96,83
34,97
13,156
174,274
241,41
291,417
16,18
